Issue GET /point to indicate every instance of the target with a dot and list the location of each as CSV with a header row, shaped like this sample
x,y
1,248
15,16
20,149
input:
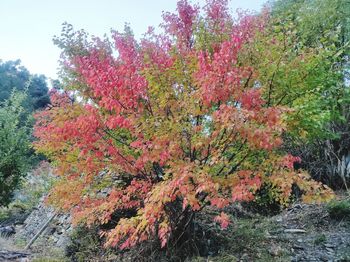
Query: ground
x,y
300,233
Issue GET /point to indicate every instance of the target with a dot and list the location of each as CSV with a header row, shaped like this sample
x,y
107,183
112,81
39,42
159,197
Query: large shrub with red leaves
x,y
154,130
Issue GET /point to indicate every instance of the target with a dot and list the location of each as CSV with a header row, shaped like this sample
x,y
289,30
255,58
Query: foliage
x,y
249,241
85,245
323,27
302,68
14,146
339,209
169,125
15,213
14,76
320,239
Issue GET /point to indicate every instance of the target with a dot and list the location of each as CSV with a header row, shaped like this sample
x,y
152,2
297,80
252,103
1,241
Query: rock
x,y
244,257
294,230
298,247
330,250
7,231
12,255
55,235
279,219
275,250
324,258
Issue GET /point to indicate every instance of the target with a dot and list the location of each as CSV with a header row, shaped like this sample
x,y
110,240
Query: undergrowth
x,y
339,209
36,184
246,240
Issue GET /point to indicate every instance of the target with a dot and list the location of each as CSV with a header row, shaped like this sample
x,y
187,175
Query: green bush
x,y
339,209
85,245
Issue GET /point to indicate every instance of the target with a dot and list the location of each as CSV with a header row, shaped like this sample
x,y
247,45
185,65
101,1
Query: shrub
x,y
339,209
169,125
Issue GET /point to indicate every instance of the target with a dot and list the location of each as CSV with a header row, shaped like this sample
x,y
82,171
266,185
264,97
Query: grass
x,y
339,209
248,240
320,239
50,259
16,211
52,255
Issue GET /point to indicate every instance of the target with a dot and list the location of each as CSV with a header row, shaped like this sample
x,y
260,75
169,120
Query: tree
x,y
14,76
322,27
173,123
14,145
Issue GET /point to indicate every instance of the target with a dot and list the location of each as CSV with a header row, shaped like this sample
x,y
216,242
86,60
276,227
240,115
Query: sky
x,y
28,26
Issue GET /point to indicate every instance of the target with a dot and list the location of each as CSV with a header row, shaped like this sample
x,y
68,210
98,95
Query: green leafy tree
x,y
318,89
14,145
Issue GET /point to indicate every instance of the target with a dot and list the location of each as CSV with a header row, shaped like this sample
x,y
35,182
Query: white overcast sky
x,y
28,26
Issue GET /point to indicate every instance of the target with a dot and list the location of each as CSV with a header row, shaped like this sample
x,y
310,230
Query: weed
x,y
320,239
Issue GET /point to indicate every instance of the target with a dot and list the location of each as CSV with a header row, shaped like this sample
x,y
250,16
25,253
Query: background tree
x,y
20,94
14,76
322,104
14,145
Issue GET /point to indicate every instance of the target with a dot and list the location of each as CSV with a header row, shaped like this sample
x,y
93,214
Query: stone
x,y
7,231
330,250
244,256
294,230
55,234
11,255
275,250
298,247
